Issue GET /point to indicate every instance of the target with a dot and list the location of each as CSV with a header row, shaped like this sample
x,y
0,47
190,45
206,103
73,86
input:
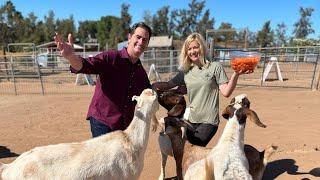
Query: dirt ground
x,y
292,116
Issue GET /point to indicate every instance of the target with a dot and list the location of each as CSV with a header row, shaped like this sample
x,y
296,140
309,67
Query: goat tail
x,y
267,153
209,172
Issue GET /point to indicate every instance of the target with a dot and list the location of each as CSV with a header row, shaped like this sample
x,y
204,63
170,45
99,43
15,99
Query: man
x,y
121,75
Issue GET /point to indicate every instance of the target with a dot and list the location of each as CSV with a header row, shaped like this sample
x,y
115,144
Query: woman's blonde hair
x,y
184,61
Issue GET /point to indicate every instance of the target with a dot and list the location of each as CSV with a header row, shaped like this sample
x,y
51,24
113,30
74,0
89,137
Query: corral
x,y
22,73
288,107
291,116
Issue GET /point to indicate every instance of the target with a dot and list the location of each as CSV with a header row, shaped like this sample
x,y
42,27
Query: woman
x,y
203,80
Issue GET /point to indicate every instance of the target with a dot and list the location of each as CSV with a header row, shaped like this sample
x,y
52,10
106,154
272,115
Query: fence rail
x,y
38,74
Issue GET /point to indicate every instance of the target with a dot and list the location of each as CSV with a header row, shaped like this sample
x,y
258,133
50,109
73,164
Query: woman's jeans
x,y
98,128
202,135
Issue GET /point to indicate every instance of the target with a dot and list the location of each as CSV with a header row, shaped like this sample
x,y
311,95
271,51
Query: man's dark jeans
x,y
98,128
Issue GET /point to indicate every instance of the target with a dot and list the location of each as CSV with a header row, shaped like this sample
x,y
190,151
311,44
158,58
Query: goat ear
x,y
138,99
177,110
246,103
254,118
228,112
135,98
232,100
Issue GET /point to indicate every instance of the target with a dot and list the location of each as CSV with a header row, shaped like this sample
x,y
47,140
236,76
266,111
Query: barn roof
x,y
161,41
155,42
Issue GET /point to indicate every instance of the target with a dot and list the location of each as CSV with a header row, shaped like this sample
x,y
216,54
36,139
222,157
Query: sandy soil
x,y
292,115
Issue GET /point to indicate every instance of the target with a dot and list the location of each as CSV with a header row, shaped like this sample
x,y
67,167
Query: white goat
x,y
228,158
187,154
173,142
114,156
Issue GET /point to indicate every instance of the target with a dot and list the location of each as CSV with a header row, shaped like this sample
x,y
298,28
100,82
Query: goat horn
x,y
135,98
154,92
183,132
254,118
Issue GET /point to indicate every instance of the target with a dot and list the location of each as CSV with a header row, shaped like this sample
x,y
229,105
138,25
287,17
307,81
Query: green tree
x,y
115,36
185,20
5,37
241,37
160,22
103,28
18,26
40,34
50,24
229,33
87,29
66,26
251,39
30,26
280,35
147,18
124,23
265,35
108,31
303,26
11,22
205,23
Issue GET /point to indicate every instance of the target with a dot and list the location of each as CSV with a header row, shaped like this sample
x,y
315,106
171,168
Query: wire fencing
x,y
296,66
20,74
49,73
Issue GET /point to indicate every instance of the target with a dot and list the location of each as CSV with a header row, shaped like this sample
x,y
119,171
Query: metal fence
x,y
298,66
27,74
49,74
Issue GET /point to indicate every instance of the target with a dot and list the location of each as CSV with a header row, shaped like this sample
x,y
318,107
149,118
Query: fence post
x,y
154,55
314,74
12,76
296,63
171,63
6,64
318,82
39,74
264,67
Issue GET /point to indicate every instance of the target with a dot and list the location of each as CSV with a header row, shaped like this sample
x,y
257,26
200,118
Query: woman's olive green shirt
x,y
203,91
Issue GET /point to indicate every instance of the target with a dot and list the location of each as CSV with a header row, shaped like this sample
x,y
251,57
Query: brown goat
x,y
174,102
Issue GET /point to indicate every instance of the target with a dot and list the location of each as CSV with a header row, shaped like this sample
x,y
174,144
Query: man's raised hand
x,y
66,48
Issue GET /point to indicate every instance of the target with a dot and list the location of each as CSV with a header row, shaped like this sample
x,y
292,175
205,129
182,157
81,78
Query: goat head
x,y
172,100
240,105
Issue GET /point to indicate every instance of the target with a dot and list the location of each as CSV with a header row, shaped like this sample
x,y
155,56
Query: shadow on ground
x,y
276,168
5,152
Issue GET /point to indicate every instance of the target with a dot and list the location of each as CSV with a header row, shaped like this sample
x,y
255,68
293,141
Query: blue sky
x,y
240,13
